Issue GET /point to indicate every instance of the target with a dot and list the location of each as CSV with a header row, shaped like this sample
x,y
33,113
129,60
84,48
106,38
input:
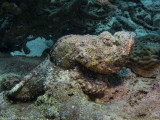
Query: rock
x,y
156,20
148,19
106,3
145,60
76,93
31,85
151,4
52,113
9,81
146,106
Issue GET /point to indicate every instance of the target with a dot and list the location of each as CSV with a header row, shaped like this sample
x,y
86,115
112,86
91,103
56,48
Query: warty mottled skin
x,y
104,54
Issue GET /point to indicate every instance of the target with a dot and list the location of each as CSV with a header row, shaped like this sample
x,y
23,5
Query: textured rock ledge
x,y
60,90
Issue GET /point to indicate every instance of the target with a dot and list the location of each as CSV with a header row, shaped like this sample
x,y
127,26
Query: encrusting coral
x,y
145,60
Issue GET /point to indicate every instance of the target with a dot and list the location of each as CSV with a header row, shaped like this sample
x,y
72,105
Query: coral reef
x,y
16,26
51,92
47,18
66,99
53,19
145,60
104,76
104,54
139,18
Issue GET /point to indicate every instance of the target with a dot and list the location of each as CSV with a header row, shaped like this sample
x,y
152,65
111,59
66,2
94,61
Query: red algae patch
x,y
115,94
